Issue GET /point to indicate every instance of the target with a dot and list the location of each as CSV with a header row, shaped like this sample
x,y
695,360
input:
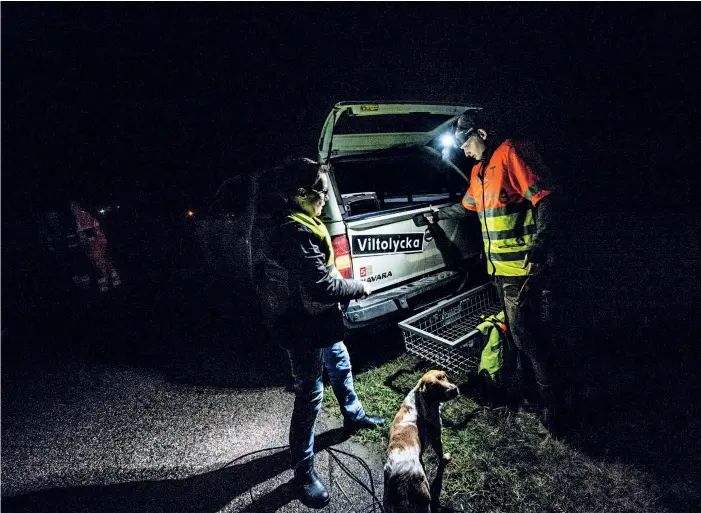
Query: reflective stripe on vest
x,y
507,233
319,229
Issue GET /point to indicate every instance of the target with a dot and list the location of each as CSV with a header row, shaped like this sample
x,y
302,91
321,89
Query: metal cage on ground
x,y
447,335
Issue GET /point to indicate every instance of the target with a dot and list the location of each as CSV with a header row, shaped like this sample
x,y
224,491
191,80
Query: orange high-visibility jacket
x,y
503,193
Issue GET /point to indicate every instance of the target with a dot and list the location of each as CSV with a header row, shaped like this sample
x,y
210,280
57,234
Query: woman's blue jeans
x,y
307,368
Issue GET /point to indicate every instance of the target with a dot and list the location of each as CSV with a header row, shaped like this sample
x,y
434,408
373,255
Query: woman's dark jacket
x,y
299,293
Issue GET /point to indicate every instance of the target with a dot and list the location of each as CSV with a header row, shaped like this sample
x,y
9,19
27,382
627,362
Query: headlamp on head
x,y
462,135
465,126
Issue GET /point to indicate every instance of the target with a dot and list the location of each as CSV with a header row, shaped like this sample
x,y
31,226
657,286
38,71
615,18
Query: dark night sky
x,y
106,99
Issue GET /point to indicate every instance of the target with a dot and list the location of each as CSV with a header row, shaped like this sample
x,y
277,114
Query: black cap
x,y
466,125
462,135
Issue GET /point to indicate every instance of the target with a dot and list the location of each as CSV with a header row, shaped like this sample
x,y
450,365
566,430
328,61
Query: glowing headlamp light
x,y
447,140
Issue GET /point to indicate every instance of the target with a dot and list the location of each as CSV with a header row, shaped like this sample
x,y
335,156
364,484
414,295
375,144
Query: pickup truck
x,y
387,167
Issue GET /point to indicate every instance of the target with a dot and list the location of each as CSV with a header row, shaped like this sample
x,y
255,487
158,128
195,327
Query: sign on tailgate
x,y
387,244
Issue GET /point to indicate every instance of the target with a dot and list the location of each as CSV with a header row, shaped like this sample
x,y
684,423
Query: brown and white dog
x,y
417,424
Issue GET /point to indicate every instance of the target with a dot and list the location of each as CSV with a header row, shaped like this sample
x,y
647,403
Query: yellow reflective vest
x,y
319,229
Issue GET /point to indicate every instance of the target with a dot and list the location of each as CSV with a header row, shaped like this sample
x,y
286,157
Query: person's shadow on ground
x,y
206,492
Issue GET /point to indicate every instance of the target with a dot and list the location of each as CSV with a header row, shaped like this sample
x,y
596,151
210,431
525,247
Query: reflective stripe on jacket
x,y
503,193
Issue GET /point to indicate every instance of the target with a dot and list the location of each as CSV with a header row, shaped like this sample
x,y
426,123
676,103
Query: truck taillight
x,y
341,251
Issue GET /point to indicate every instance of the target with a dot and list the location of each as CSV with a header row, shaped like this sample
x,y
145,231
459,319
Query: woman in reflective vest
x,y
300,294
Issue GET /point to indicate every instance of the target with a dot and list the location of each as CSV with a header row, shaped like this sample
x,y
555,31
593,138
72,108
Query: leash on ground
x,y
375,501
366,467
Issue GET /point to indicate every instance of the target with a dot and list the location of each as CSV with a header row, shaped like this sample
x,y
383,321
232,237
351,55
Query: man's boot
x,y
364,422
308,488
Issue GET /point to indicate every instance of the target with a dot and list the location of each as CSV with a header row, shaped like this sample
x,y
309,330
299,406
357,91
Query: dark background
x,y
153,105
161,101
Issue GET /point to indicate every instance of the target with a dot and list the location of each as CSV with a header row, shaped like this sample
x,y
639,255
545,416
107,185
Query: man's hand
x,y
532,268
426,217
432,216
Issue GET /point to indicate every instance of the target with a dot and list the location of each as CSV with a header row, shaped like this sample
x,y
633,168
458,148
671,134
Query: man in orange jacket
x,y
511,192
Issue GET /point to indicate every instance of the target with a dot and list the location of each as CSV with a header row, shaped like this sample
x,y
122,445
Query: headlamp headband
x,y
462,135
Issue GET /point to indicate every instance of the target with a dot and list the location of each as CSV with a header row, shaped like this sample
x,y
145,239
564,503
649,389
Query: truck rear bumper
x,y
404,300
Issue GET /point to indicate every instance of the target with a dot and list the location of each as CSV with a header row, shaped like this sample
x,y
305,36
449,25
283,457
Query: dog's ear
x,y
423,386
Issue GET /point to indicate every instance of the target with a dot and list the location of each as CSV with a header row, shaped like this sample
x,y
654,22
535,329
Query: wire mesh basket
x,y
446,334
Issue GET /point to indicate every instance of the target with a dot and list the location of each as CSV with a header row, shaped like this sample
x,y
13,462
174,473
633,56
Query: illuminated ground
x,y
82,436
150,399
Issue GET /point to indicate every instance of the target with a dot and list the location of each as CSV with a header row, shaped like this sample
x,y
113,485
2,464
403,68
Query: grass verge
x,y
502,460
